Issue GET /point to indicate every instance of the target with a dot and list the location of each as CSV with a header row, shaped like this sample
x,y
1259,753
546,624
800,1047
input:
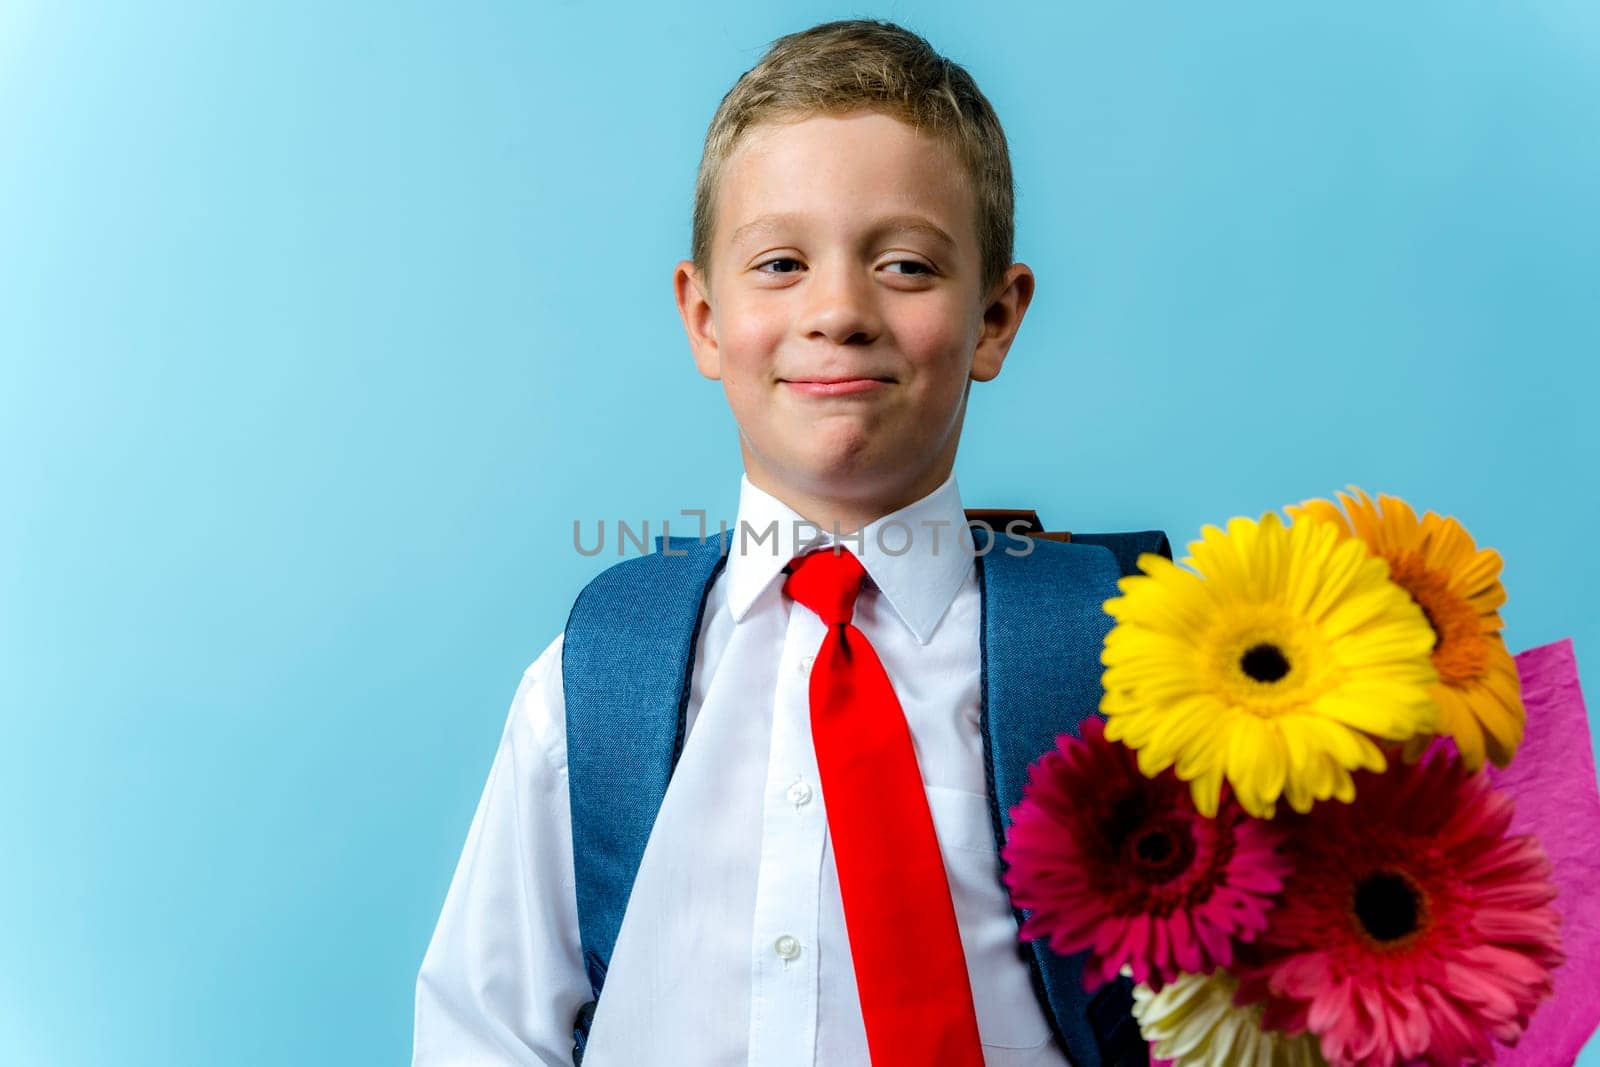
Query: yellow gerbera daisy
x,y
1458,587
1194,1023
1273,663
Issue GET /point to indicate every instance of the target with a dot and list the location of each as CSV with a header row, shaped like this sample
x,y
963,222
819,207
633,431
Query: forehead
x,y
843,172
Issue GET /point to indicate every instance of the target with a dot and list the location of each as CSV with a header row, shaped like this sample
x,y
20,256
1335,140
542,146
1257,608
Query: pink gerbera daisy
x,y
1122,865
1412,929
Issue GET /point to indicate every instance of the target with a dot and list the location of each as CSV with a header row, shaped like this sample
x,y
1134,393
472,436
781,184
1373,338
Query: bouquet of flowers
x,y
1287,830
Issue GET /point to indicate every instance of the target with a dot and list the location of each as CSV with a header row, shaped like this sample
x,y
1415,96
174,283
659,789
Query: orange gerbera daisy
x,y
1457,585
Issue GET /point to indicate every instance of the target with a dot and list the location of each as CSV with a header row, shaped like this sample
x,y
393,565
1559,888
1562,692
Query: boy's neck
x,y
851,513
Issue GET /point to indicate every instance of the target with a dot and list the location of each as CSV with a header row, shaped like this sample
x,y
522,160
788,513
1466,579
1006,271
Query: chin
x,y
837,454
840,459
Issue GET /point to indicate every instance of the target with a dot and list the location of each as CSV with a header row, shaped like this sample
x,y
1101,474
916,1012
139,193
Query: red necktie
x,y
904,941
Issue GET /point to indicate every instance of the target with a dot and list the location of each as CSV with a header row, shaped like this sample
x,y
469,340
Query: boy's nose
x,y
841,307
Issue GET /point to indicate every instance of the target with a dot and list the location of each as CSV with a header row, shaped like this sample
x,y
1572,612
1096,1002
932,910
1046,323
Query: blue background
x,y
320,324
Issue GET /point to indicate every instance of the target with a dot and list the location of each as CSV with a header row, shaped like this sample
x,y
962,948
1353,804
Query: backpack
x,y
627,660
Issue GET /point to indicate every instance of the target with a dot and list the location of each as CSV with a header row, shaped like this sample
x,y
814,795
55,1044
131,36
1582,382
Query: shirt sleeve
x,y
503,977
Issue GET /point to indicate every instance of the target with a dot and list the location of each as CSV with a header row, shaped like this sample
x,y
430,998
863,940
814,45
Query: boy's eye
x,y
789,265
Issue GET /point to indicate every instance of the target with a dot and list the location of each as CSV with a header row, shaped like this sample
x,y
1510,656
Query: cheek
x,y
748,336
938,343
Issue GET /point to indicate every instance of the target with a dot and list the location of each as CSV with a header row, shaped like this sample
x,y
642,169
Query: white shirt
x,y
733,947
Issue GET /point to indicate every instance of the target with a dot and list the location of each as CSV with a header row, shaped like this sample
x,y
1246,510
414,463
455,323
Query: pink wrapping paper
x,y
1552,779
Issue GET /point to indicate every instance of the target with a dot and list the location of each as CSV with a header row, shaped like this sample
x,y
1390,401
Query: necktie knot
x,y
826,582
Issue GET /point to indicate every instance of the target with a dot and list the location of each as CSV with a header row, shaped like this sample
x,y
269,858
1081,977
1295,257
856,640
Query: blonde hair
x,y
838,67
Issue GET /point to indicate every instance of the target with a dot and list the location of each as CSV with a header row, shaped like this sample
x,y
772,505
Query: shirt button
x,y
799,793
786,947
805,664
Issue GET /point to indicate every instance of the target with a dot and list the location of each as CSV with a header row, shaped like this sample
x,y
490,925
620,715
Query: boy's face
x,y
843,314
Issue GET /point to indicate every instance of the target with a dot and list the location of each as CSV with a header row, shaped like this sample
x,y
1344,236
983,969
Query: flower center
x,y
1460,653
1389,906
1264,662
1160,851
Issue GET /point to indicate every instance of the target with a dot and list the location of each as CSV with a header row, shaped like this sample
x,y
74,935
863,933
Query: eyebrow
x,y
892,223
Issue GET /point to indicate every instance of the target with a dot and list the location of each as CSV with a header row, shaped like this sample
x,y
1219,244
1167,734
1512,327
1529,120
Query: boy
x,y
850,277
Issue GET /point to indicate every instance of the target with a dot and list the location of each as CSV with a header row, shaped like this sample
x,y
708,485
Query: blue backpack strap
x,y
628,650
1042,630
1127,547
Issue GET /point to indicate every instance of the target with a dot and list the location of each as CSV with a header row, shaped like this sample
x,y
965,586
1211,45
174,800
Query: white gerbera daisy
x,y
1194,1022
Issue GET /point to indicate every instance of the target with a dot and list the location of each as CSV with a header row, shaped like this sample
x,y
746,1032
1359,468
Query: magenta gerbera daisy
x,y
1413,929
1109,861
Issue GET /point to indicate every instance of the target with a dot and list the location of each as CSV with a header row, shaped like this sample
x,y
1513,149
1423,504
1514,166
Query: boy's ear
x,y
694,306
1001,319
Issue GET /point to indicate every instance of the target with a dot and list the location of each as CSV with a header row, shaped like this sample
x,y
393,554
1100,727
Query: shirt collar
x,y
915,556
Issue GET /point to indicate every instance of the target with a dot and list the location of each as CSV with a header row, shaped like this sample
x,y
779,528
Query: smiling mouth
x,y
836,386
